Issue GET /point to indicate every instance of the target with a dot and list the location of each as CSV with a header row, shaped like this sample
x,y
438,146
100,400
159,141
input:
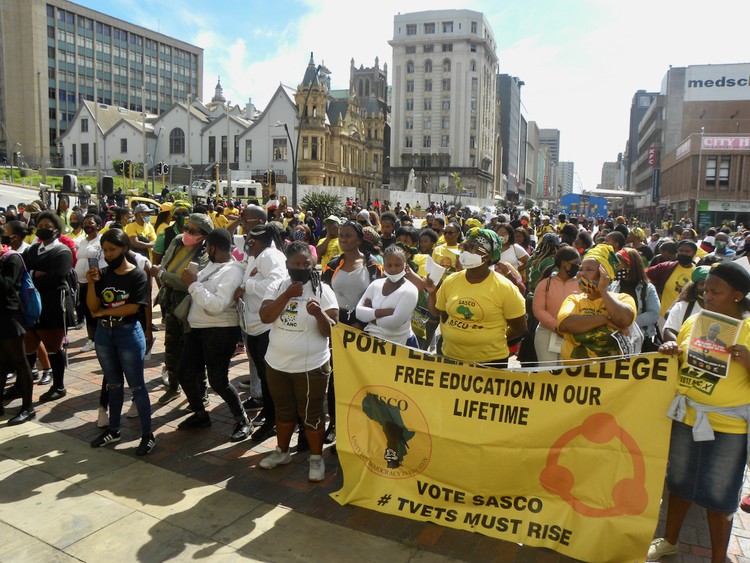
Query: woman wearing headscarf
x,y
708,444
549,296
479,309
588,319
690,302
541,259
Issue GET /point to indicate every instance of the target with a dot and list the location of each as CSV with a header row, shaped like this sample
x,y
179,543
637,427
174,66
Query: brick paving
x,y
207,455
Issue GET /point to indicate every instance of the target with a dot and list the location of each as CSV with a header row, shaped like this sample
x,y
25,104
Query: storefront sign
x,y
683,149
726,143
730,206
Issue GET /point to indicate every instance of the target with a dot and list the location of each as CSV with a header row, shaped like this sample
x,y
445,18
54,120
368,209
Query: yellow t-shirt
x,y
679,278
444,256
700,253
732,391
544,229
477,316
147,230
219,221
163,226
421,261
596,343
333,250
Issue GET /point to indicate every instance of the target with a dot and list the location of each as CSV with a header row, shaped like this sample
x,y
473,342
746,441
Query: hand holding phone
x,y
192,267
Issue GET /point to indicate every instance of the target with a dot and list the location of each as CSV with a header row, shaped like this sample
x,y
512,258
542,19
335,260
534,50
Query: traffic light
x,y
272,177
158,170
165,169
128,168
265,177
121,167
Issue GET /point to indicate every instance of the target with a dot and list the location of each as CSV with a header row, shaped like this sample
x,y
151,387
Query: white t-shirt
x,y
514,253
677,313
89,249
396,327
295,344
260,273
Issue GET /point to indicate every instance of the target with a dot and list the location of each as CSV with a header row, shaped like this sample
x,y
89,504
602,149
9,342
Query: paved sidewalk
x,y
198,495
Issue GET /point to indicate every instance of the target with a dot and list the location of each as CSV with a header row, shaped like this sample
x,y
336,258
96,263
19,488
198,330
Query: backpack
x,y
31,302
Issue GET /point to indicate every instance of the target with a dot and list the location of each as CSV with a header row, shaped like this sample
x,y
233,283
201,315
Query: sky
x,y
581,60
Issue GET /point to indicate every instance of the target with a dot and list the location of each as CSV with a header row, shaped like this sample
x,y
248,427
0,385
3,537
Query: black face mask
x,y
621,274
747,248
300,275
114,264
88,229
684,260
573,270
5,241
45,234
75,226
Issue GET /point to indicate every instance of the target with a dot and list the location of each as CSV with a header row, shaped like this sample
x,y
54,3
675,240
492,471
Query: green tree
x,y
322,204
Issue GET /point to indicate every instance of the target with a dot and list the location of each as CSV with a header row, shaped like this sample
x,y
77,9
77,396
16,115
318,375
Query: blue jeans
x,y
120,352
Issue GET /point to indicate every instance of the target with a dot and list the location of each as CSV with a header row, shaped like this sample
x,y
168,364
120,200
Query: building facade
x,y
509,94
444,101
638,107
565,175
55,53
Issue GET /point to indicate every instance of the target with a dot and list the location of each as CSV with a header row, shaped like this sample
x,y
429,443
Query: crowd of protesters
x,y
491,287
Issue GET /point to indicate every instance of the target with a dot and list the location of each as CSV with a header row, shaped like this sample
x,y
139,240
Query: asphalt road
x,y
16,194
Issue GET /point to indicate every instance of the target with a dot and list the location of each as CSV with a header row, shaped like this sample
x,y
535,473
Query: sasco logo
x,y
389,432
722,82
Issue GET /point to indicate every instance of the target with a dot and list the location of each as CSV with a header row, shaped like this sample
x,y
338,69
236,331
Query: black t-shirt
x,y
115,290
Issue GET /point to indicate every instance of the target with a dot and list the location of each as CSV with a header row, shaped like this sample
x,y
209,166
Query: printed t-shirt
x,y
677,280
444,256
146,230
596,343
476,327
115,290
295,344
333,250
732,391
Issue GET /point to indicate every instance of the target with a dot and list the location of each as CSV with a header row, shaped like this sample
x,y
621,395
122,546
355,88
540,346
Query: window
x,y
123,145
409,85
446,84
212,148
473,122
472,142
446,104
409,123
411,29
408,141
446,122
409,67
236,149
447,27
427,123
711,172
473,66
224,149
249,150
426,141
447,65
445,141
176,141
428,85
279,149
473,47
409,104
84,125
428,104
473,104
427,67
473,27
428,48
429,28
84,154
474,85
411,49
447,47
724,173
314,155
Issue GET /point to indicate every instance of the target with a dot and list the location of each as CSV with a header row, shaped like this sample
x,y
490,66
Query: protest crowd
x,y
505,287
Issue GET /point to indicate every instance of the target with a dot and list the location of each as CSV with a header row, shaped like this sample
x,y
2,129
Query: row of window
x,y
445,122
722,163
445,141
430,28
430,48
428,66
427,104
446,84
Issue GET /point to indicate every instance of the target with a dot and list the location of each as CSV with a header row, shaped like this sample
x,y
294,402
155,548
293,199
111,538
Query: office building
x,y
509,95
565,173
444,101
55,54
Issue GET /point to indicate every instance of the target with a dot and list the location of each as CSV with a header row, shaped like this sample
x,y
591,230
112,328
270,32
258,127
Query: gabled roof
x,y
242,122
195,112
106,117
288,96
138,127
337,109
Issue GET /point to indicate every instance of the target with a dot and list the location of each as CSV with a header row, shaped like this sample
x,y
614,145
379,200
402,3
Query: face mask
x,y
395,278
114,264
302,275
299,235
191,240
147,219
469,260
684,260
721,245
587,286
621,274
75,226
504,239
5,241
88,229
45,234
573,270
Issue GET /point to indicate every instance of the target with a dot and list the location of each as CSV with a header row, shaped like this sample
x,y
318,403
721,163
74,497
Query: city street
x,y
15,194
198,495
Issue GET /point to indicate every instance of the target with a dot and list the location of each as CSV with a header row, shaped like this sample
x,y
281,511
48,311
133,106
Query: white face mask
x,y
469,260
503,239
395,278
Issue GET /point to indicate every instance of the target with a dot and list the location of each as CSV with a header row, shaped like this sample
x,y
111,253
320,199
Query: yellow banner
x,y
570,459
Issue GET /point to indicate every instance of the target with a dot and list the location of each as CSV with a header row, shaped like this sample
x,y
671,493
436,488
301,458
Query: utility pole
x,y
42,164
143,126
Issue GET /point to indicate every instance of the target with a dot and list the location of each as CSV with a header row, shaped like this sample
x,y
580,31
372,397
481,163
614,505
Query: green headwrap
x,y
488,240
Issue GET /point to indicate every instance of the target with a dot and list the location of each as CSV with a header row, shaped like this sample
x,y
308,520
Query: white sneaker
x,y
317,468
132,410
88,346
102,420
164,376
275,458
659,548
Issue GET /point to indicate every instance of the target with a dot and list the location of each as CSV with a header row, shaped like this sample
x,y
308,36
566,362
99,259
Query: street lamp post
x,y
698,183
229,171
